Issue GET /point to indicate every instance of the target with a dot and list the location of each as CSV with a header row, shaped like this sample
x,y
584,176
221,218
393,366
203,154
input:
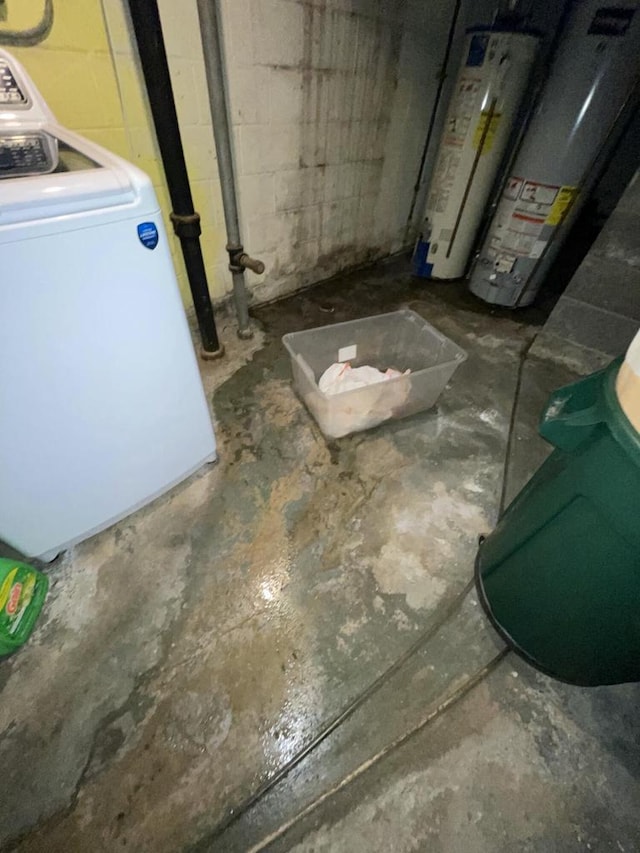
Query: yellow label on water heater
x,y
486,135
562,205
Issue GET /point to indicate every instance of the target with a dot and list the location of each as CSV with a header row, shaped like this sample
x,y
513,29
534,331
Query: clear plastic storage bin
x,y
402,340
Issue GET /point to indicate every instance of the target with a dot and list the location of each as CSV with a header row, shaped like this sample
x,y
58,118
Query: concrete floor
x,y
188,654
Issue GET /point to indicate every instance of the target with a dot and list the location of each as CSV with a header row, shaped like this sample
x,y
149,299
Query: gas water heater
x,y
488,91
595,70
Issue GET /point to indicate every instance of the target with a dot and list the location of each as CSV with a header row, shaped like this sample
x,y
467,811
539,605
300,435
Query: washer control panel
x,y
11,95
23,154
25,147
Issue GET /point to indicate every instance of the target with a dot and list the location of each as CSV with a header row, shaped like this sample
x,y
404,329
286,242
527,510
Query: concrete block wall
x,y
330,102
600,308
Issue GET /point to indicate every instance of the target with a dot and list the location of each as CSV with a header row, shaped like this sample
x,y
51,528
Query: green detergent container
x,y
22,593
560,575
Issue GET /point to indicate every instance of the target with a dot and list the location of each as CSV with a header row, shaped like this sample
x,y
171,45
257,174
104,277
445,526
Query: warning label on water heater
x,y
537,196
526,207
443,179
461,111
457,127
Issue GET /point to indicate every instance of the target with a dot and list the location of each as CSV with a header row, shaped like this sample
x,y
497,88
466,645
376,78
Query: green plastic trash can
x,y
560,575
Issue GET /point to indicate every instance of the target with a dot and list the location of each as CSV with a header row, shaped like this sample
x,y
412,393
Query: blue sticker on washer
x,y
148,234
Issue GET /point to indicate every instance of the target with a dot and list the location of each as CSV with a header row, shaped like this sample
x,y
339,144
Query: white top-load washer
x,y
101,404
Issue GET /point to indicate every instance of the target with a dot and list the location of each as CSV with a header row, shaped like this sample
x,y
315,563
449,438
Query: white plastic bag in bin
x,y
401,340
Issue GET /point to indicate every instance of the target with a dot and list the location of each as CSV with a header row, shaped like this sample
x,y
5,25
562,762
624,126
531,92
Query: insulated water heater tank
x,y
484,105
596,68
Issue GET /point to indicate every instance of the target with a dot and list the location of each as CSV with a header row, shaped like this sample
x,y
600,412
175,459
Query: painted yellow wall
x,y
73,68
87,71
